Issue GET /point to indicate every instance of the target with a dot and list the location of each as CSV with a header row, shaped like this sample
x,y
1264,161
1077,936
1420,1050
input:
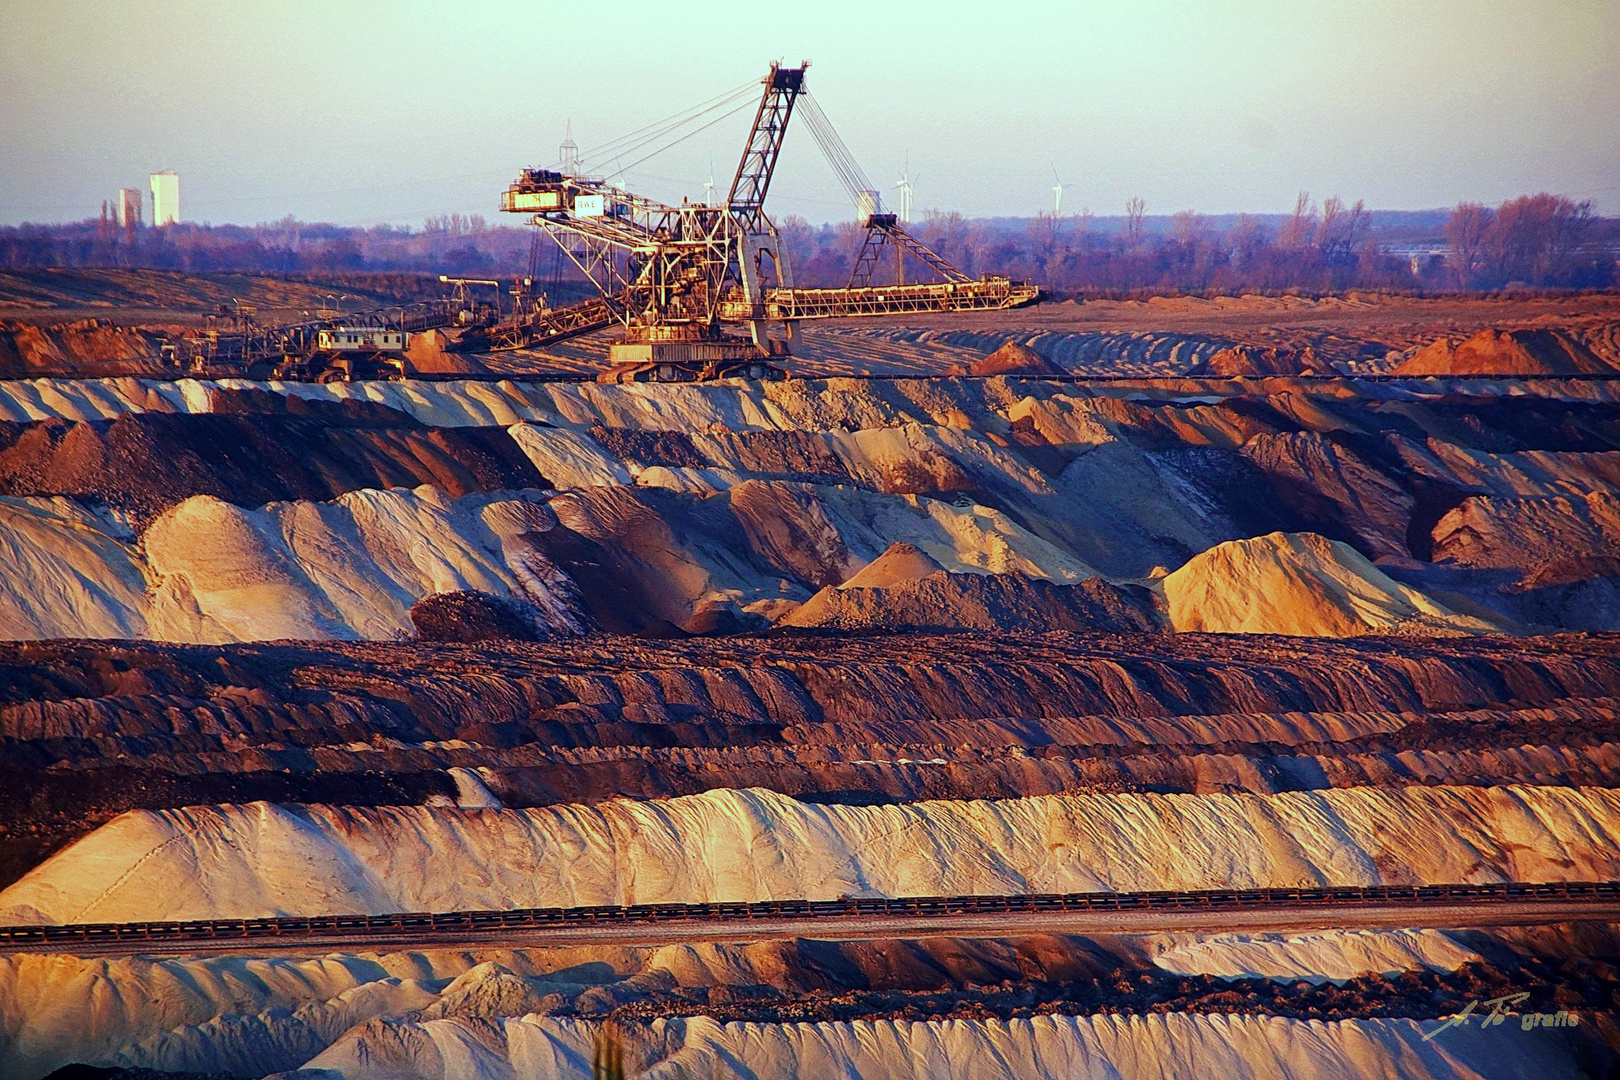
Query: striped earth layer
x,y
298,649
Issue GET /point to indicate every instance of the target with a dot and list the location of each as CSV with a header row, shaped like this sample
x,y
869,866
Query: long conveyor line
x,y
1604,897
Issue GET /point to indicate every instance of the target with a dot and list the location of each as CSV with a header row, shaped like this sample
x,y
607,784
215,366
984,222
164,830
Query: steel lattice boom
x,y
676,276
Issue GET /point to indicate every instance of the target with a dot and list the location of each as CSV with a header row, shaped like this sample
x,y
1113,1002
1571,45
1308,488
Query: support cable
x,y
833,148
617,145
683,138
599,156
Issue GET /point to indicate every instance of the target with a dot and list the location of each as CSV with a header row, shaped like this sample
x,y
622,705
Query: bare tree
x,y
1337,229
1247,239
1468,231
1188,228
1537,238
1043,236
797,237
947,233
1134,211
1296,235
1332,208
1360,221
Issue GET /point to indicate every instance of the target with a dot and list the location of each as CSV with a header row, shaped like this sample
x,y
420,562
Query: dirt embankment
x,y
1005,602
1509,352
254,448
91,345
40,293
91,730
1254,361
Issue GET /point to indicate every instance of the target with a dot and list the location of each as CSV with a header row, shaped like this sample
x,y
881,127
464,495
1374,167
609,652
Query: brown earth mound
x,y
1507,352
430,354
145,463
466,617
1008,602
30,350
1015,359
344,412
1244,360
899,564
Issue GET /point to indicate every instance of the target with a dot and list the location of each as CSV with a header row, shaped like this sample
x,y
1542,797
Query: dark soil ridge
x,y
1588,987
58,806
255,448
422,691
1003,602
92,729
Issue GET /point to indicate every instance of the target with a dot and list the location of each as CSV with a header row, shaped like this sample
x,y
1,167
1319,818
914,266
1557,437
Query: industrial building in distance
x,y
165,197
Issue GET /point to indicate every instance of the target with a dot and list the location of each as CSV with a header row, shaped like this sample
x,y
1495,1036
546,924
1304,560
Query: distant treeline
x,y
1535,241
453,244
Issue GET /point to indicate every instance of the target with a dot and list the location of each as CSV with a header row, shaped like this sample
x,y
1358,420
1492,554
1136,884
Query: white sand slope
x,y
1301,584
208,571
568,459
900,563
1175,1045
1319,957
350,568
70,571
923,462
1533,474
251,1015
835,404
213,572
261,859
168,1014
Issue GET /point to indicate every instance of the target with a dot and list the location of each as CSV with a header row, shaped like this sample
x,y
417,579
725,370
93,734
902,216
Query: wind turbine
x,y
1057,193
906,180
708,185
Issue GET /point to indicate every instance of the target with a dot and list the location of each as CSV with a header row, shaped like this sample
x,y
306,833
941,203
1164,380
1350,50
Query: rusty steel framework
x,y
675,276
696,287
234,343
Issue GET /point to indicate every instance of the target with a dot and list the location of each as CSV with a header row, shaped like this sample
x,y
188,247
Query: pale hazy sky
x,y
368,112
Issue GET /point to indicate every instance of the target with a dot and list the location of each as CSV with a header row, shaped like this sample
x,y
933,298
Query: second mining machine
x,y
697,287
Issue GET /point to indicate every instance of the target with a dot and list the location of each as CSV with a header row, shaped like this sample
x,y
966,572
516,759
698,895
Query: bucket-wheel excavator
x,y
697,286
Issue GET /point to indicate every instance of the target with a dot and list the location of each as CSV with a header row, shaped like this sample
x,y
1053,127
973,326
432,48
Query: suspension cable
x,y
612,145
676,142
599,156
843,163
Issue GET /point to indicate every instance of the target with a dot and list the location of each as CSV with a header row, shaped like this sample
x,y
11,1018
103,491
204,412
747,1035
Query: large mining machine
x,y
697,287
328,345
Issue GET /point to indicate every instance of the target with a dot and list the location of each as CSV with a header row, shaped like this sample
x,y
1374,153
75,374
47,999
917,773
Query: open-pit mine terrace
x,y
296,652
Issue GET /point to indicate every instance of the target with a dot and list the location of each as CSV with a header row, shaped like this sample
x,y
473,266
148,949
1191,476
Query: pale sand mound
x,y
346,569
1317,957
263,859
1301,584
1507,352
1172,1046
1015,359
900,562
70,571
